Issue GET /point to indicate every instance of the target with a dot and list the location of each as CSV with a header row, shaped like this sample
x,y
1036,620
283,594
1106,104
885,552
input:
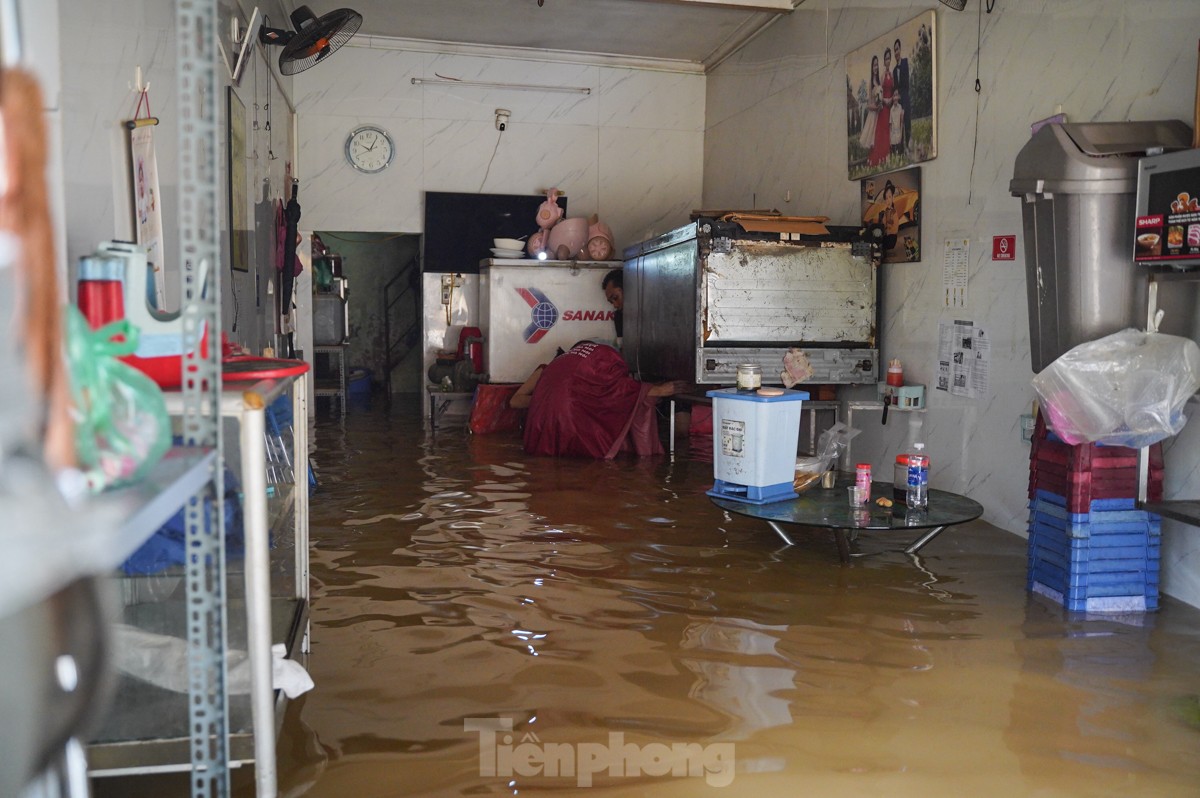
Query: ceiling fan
x,y
313,38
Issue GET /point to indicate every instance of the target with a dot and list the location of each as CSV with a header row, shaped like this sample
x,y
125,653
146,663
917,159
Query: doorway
x,y
383,274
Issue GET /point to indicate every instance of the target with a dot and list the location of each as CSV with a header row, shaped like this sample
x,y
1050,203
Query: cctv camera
x,y
502,115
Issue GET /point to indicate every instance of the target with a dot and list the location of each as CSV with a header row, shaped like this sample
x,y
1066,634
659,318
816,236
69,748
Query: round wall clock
x,y
369,149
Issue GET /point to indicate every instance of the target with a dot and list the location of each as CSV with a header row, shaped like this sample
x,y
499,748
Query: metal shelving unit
x,y
332,385
266,602
1184,510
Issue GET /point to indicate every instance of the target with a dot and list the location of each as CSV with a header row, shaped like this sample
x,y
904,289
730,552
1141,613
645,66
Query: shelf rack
x,y
1184,510
146,732
333,386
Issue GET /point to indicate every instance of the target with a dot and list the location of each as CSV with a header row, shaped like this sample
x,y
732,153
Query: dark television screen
x,y
459,228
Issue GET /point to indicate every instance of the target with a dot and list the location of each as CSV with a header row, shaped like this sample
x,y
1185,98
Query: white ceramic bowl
x,y
508,243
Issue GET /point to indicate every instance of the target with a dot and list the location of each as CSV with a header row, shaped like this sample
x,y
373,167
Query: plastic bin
x,y
360,382
1078,183
755,437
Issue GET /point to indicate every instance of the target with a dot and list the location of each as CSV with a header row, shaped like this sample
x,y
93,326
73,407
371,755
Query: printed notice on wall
x,y
964,359
956,259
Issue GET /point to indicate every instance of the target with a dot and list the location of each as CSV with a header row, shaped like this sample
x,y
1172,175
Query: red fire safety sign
x,y
1004,247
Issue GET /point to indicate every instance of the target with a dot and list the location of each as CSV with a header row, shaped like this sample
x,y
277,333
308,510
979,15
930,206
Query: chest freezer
x,y
529,309
705,297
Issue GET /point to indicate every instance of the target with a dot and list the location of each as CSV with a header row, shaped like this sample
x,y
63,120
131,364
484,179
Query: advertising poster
x,y
893,202
1170,229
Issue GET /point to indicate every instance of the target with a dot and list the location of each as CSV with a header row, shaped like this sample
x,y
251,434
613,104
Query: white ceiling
x,y
690,35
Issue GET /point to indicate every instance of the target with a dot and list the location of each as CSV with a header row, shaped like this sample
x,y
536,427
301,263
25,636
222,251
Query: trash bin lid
x,y
1092,157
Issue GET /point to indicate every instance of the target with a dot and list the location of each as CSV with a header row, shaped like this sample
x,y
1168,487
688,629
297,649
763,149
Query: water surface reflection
x,y
456,578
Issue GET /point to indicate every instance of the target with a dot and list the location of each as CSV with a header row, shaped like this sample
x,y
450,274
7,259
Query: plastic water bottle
x,y
918,478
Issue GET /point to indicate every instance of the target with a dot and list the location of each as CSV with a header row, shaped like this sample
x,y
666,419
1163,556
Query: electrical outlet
x,y
449,283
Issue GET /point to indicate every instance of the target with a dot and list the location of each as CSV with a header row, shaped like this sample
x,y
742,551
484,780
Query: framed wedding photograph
x,y
891,100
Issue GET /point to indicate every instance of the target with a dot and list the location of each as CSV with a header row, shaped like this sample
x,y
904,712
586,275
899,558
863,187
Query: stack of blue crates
x,y
1089,553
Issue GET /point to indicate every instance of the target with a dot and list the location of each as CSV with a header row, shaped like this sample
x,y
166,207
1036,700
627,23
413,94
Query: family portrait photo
x,y
891,84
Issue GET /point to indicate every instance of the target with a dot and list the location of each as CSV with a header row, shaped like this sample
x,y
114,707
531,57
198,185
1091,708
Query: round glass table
x,y
829,508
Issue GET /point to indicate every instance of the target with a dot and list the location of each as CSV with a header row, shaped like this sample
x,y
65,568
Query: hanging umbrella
x,y
291,215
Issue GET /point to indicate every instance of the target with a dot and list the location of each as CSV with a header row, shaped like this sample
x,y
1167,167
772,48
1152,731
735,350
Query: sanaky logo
x,y
543,314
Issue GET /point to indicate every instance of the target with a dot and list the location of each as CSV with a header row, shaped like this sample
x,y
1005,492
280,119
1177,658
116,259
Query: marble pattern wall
x,y
630,150
775,124
97,96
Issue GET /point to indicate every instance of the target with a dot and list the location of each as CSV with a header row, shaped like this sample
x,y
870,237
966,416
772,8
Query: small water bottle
x,y
918,478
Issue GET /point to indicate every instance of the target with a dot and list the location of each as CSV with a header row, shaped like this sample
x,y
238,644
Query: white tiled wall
x,y
630,150
776,124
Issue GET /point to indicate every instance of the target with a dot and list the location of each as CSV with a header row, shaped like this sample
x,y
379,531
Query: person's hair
x,y
897,43
615,277
888,186
874,69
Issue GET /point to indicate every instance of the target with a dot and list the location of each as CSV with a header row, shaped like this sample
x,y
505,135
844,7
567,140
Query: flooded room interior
x,y
622,397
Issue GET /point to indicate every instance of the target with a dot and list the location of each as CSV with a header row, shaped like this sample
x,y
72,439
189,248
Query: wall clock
x,y
369,149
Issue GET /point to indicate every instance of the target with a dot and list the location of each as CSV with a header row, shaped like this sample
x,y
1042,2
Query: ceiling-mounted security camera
x,y
502,115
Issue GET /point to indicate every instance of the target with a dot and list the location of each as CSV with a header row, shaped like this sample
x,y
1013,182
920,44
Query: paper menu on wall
x,y
964,359
956,259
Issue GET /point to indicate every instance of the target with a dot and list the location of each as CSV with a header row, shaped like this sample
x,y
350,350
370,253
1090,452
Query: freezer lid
x,y
669,239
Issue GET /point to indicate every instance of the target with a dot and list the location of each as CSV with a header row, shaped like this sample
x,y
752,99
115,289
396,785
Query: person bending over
x,y
614,292
584,404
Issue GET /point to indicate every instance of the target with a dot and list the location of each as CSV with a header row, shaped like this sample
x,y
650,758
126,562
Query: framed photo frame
x,y
239,199
891,100
893,203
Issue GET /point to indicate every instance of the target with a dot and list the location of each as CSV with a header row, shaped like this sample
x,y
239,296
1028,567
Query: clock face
x,y
369,149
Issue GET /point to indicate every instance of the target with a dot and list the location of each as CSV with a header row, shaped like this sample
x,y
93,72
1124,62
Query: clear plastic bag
x,y
1126,389
830,447
121,423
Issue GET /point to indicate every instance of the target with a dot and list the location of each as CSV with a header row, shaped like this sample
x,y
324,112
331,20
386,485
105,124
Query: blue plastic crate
x,y
1101,539
1096,515
1095,504
1114,586
1116,583
1135,572
1106,604
1104,539
1082,562
1089,548
1087,529
1111,547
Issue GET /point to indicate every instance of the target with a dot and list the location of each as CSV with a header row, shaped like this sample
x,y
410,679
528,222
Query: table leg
x,y
917,544
779,531
671,428
843,545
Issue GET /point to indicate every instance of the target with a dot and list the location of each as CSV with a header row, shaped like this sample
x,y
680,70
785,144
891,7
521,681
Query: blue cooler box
x,y
755,437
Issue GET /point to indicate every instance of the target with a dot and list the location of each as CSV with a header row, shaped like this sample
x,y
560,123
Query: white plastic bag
x,y
1126,389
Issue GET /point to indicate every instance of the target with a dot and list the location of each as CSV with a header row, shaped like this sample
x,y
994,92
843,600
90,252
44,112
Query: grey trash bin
x,y
1077,183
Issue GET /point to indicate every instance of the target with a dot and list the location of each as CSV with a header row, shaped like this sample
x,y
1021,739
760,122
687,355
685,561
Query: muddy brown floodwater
x,y
487,623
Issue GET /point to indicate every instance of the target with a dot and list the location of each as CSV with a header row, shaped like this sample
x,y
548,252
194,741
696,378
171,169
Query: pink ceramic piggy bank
x,y
600,241
548,212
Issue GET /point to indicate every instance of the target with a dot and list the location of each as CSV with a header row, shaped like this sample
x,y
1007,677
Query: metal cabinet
x,y
706,297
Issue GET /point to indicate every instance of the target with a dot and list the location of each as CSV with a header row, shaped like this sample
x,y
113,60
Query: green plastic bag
x,y
121,425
